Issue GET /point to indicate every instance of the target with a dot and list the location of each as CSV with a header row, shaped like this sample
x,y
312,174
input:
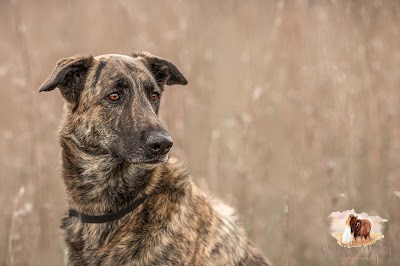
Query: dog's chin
x,y
150,163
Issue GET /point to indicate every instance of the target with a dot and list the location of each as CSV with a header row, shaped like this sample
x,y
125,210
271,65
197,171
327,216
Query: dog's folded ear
x,y
69,76
163,71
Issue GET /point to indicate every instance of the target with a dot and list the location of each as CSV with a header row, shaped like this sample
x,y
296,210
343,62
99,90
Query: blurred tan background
x,y
291,112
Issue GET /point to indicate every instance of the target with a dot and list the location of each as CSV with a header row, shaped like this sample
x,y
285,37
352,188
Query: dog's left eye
x,y
155,96
114,97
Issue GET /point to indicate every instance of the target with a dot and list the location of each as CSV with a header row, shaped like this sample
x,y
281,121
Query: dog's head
x,y
112,104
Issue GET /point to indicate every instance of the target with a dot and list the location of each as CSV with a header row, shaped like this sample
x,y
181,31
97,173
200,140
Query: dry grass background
x,y
292,111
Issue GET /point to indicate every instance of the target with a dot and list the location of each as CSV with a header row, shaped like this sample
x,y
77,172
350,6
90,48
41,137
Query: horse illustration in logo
x,y
351,230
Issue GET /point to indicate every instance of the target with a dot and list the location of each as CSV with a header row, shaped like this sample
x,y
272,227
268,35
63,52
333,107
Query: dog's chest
x,y
78,235
85,240
140,240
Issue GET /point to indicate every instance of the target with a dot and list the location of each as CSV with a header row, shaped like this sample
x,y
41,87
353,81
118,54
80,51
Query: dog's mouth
x,y
152,162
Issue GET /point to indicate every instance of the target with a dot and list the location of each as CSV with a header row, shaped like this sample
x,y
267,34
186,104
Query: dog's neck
x,y
99,184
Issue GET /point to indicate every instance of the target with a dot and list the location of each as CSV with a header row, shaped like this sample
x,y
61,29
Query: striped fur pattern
x,y
106,167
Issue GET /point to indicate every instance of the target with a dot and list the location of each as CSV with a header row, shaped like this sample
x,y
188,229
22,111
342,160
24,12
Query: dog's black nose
x,y
159,143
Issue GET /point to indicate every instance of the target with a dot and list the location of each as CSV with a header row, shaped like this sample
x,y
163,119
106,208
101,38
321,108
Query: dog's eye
x,y
155,96
114,97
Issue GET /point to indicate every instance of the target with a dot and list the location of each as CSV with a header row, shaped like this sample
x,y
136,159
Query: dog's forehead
x,y
113,65
116,60
116,57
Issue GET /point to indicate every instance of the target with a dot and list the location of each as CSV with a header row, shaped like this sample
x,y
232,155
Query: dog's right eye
x,y
155,96
113,97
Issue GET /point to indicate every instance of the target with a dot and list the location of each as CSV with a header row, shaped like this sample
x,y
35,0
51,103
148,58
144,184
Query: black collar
x,y
106,217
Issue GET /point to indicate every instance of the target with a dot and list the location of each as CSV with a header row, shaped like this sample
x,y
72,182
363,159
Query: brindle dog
x,y
115,154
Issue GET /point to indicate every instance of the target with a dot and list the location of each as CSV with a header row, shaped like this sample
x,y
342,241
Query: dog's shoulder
x,y
208,227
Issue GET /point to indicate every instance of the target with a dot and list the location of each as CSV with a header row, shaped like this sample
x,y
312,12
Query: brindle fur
x,y
105,168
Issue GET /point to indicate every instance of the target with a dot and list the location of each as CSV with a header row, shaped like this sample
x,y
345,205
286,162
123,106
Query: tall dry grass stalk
x,y
19,248
14,232
287,231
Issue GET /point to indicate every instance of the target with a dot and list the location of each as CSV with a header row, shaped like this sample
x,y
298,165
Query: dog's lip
x,y
156,160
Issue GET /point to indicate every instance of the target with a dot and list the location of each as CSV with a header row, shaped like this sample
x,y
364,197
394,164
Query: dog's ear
x,y
163,71
69,76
